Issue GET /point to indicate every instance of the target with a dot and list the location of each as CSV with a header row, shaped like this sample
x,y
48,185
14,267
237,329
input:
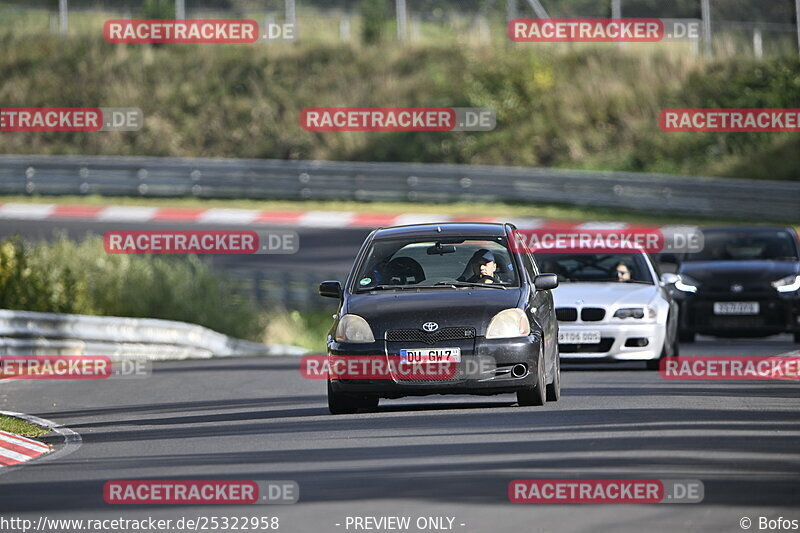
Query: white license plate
x,y
736,308
578,337
431,355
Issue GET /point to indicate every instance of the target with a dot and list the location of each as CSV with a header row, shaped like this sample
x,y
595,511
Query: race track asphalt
x,y
434,456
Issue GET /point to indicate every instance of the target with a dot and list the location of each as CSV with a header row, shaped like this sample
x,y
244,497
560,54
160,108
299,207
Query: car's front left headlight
x,y
787,284
508,323
353,328
636,312
629,312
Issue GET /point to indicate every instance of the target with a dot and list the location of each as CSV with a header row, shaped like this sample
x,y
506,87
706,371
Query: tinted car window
x,y
595,267
746,246
425,263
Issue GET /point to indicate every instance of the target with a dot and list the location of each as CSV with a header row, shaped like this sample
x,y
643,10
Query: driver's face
x,y
488,269
623,274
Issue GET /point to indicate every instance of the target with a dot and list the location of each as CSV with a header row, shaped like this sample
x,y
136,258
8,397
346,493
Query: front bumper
x,y
486,368
778,313
613,339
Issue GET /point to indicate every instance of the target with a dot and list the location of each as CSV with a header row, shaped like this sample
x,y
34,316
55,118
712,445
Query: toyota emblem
x,y
736,288
430,327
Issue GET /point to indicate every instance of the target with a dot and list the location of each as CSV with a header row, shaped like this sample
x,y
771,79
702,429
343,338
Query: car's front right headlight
x,y
508,323
353,328
686,283
787,284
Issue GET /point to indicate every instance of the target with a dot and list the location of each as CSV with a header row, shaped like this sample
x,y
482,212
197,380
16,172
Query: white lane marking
x,y
228,216
602,225
17,441
26,211
420,218
125,213
326,219
72,440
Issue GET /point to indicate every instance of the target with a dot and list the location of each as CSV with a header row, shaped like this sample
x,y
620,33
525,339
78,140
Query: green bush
x,y
67,277
158,9
589,107
373,14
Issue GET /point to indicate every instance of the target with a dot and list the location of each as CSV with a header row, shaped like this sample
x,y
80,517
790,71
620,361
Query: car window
x,y
746,246
426,263
598,267
530,265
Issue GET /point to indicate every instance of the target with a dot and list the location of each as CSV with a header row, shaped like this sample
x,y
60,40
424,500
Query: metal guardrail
x,y
31,333
739,199
280,289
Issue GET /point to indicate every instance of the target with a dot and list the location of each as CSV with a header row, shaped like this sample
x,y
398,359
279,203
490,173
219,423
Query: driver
x,y
482,264
623,272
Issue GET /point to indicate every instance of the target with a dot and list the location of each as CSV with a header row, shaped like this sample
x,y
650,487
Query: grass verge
x,y
20,427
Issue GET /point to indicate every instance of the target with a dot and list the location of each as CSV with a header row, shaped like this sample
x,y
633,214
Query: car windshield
x,y
621,268
397,264
746,246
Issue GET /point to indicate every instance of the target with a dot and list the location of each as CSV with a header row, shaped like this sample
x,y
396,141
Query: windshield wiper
x,y
456,284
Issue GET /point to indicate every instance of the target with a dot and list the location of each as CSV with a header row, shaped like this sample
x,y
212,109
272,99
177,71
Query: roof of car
x,y
748,229
445,229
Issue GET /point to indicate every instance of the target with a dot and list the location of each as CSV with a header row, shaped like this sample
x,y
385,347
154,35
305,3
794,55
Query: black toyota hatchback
x,y
744,282
454,293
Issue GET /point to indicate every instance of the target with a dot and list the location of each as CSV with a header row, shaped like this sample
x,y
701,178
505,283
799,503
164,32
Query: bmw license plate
x,y
736,308
431,355
578,337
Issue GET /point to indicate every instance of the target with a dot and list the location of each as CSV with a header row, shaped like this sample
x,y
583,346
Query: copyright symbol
x,y
745,523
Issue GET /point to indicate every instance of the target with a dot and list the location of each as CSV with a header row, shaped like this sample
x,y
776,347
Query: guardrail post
x,y
63,17
797,16
180,10
402,19
705,9
758,49
291,16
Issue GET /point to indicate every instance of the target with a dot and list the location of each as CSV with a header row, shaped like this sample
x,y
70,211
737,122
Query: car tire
x,y
655,364
554,388
686,336
340,403
536,394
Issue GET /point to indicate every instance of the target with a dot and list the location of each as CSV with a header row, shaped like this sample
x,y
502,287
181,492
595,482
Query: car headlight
x,y
508,323
687,284
353,328
629,312
787,284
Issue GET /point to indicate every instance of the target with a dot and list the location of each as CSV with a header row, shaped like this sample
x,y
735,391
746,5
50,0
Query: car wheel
x,y
340,403
554,388
686,336
535,394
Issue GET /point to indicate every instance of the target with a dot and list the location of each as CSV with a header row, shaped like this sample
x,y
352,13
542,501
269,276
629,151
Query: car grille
x,y
603,346
566,314
418,335
592,314
588,314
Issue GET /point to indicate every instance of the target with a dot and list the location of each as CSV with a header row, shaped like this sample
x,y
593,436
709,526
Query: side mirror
x,y
330,289
544,282
668,278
